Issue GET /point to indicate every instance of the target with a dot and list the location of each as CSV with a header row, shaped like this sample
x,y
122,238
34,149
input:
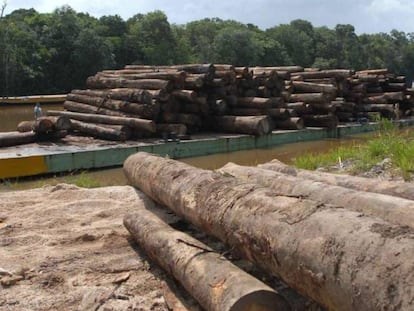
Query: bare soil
x,y
65,248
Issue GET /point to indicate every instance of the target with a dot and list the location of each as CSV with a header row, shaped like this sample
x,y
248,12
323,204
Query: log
x,y
41,125
402,190
8,139
135,123
276,113
189,119
300,107
131,95
116,133
224,287
333,73
177,77
376,72
290,124
145,111
291,69
386,98
251,125
85,108
317,249
257,102
328,121
309,98
307,87
96,82
395,210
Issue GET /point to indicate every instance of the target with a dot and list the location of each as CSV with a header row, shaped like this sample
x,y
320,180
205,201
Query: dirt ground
x,y
65,248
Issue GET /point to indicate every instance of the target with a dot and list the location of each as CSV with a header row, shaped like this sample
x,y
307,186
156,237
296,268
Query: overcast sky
x,y
368,16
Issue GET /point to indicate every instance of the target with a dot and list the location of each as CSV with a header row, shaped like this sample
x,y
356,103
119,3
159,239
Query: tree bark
x,y
306,87
333,73
290,124
396,210
402,190
213,281
145,111
309,98
116,133
328,121
8,139
85,108
140,124
300,107
251,125
131,95
42,125
317,249
96,82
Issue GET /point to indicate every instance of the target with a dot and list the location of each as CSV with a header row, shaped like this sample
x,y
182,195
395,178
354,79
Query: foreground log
x,y
213,281
85,108
307,87
402,190
396,210
119,133
136,123
8,139
251,125
317,249
113,83
310,98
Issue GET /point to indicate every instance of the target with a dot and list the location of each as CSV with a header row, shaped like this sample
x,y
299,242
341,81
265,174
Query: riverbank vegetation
x,y
390,149
46,53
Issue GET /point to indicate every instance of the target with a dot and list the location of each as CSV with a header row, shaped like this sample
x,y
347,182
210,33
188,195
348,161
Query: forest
x,y
50,53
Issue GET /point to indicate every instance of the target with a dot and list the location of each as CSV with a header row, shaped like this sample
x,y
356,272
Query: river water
x,y
11,116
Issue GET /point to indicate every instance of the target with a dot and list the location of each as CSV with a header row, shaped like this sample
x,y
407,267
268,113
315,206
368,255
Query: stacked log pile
x,y
313,239
186,99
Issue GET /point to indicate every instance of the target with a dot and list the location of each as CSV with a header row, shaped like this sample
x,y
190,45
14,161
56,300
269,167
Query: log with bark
x,y
300,107
251,125
315,248
143,110
97,82
131,95
85,108
307,87
328,121
333,73
395,210
8,139
293,123
107,132
216,283
43,125
135,123
310,98
397,189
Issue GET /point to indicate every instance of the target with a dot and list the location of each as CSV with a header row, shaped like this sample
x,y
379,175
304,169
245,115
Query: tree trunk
x,y
145,111
309,98
116,133
328,121
396,210
300,107
333,73
131,95
402,190
386,98
306,87
251,125
42,125
291,69
333,255
213,281
375,72
96,82
8,139
290,124
85,108
140,124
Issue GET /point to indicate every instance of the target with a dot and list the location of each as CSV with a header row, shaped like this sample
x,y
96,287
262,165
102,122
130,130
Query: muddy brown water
x,y
10,116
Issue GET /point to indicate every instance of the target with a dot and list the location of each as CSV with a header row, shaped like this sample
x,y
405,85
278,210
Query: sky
x,y
367,16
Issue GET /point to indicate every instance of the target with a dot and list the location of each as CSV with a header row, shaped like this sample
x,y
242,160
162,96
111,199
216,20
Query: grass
x,y
388,142
83,180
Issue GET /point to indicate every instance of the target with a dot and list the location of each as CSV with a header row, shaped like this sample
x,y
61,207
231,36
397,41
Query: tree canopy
x,y
55,52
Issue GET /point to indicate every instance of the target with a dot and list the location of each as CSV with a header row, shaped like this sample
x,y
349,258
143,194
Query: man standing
x,y
37,111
